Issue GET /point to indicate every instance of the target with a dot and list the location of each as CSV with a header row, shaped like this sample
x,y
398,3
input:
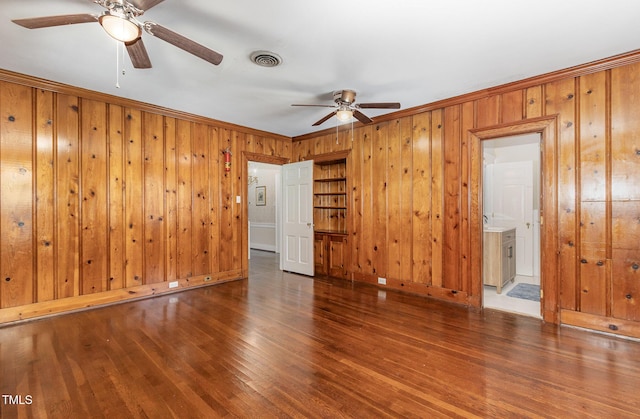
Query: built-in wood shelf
x,y
331,202
335,179
334,232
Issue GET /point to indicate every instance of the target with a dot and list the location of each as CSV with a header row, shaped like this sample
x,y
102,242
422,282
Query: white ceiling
x,y
411,51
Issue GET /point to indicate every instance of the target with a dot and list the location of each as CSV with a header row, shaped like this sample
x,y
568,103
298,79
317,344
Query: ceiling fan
x,y
346,108
120,21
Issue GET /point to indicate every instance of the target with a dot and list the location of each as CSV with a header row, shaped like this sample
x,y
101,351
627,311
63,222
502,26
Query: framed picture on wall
x,y
261,195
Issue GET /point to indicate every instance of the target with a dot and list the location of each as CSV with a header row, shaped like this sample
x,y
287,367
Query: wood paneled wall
x,y
103,201
415,205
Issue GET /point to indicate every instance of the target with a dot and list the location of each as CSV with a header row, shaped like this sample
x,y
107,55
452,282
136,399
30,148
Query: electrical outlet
x,y
173,284
382,281
207,278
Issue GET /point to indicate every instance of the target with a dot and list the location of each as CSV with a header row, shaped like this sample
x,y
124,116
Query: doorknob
x,y
309,225
528,225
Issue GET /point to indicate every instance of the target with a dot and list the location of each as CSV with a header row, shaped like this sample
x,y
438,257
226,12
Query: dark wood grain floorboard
x,y
283,345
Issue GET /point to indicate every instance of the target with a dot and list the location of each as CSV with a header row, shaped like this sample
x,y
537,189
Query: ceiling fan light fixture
x,y
344,115
120,27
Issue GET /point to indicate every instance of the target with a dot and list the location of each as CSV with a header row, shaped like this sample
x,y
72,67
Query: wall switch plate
x,y
238,199
173,284
382,281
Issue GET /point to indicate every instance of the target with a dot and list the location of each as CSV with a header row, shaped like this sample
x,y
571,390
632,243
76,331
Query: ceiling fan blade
x,y
183,43
48,21
145,4
362,117
138,54
379,105
321,106
323,119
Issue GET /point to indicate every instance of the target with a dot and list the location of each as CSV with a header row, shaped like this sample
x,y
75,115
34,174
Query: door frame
x,y
547,127
248,156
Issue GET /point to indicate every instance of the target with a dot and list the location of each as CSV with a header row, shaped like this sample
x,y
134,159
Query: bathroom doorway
x,y
511,175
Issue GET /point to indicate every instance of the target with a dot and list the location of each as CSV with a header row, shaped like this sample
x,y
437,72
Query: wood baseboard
x,y
600,323
12,315
459,297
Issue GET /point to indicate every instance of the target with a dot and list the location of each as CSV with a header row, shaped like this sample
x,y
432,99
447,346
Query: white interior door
x,y
512,206
297,218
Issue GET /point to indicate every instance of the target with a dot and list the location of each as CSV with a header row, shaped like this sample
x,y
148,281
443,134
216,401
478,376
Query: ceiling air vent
x,y
266,59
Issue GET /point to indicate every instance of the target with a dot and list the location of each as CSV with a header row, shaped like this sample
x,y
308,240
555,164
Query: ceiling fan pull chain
x,y
122,48
351,129
117,64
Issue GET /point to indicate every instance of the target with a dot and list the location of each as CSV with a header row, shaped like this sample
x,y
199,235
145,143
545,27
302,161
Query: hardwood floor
x,y
282,345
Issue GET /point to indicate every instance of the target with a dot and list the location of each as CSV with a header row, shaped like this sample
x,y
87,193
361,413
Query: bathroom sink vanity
x,y
498,256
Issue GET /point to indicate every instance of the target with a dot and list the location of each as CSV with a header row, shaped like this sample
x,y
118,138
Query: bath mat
x,y
526,292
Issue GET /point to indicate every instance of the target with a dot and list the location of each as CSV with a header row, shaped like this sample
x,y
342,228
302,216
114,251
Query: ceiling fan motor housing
x,y
120,7
346,97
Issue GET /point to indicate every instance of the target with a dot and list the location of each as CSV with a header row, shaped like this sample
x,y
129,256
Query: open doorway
x,y
274,228
511,175
263,201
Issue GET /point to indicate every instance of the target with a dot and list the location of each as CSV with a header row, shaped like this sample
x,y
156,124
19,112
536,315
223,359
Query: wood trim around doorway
x,y
547,128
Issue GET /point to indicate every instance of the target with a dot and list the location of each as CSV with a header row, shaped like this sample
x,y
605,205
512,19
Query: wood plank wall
x,y
103,201
410,210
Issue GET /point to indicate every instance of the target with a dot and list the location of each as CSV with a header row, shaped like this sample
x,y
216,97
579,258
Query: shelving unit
x,y
330,198
330,209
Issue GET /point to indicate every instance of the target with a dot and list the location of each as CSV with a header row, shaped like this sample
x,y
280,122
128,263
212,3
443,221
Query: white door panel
x,y
297,226
512,207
